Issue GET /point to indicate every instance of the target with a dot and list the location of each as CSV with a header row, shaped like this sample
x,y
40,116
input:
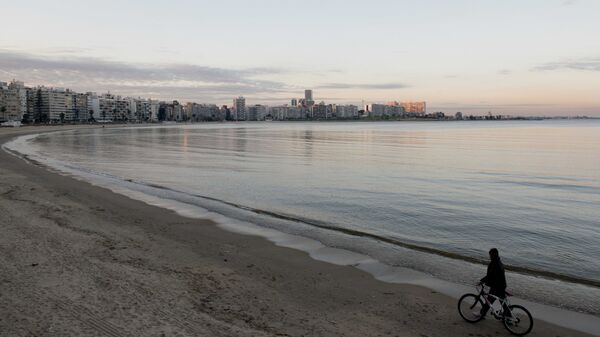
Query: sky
x,y
516,57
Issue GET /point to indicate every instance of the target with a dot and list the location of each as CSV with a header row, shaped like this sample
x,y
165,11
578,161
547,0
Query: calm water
x,y
532,189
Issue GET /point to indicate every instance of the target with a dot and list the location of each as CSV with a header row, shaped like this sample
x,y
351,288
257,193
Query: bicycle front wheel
x,y
469,308
519,322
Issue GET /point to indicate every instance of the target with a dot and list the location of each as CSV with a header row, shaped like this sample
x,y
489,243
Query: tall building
x,y
143,110
203,112
132,113
50,104
308,98
106,108
154,110
3,101
294,102
393,111
308,95
178,114
170,111
257,112
111,108
93,105
375,110
70,110
239,107
279,113
226,113
79,107
165,111
322,111
13,101
416,108
346,111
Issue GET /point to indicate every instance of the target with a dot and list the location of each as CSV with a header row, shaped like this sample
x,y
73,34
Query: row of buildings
x,y
53,105
297,110
43,104
397,109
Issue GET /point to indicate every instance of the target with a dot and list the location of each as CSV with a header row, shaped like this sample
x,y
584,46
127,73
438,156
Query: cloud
x,y
362,86
590,64
162,80
504,71
204,93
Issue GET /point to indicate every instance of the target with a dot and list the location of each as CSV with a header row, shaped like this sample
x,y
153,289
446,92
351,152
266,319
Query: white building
x,y
257,112
132,113
375,110
114,108
154,109
394,110
284,112
178,112
107,104
49,104
78,106
13,101
143,110
239,109
93,106
279,113
346,111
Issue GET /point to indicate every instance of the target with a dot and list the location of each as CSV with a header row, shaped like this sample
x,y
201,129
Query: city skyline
x,y
533,58
46,104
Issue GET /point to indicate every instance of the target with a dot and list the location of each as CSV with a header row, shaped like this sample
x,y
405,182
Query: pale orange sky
x,y
538,57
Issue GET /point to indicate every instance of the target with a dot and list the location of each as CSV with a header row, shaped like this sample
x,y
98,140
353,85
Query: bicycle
x,y
517,321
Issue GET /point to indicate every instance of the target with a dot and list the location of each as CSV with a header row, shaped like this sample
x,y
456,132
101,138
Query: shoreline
x,y
289,275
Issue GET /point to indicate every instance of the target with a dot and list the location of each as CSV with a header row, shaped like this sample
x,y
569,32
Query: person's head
x,y
494,255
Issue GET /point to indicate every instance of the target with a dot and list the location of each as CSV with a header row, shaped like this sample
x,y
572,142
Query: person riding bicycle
x,y
496,280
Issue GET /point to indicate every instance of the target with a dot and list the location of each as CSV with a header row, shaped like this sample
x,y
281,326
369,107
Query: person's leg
x,y
505,308
486,307
501,293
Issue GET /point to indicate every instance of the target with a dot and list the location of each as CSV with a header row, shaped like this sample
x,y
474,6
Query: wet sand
x,y
79,260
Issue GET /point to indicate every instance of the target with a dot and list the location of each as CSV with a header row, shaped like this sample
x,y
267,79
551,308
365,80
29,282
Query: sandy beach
x,y
80,260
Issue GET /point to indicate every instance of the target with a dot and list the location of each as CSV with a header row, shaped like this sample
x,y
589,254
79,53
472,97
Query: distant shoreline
x,y
366,120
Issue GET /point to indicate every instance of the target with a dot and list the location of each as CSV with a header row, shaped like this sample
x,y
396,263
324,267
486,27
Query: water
x,y
430,196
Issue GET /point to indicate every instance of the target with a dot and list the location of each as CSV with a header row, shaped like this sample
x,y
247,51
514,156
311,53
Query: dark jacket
x,y
495,278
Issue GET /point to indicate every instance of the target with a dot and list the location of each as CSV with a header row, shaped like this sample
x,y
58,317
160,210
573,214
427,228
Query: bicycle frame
x,y
504,302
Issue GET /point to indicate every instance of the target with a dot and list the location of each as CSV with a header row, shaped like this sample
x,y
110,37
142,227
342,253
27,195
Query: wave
x,y
554,182
393,241
557,186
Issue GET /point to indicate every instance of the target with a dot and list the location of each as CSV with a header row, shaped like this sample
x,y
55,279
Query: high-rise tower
x,y
308,97
239,106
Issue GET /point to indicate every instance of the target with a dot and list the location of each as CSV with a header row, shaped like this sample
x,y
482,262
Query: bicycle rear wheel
x,y
520,322
469,308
